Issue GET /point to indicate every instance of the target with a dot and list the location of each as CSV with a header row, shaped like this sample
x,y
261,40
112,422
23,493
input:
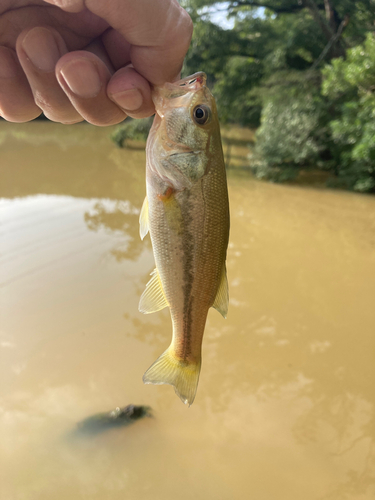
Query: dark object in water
x,y
119,417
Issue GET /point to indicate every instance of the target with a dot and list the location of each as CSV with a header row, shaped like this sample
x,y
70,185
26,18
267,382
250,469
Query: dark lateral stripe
x,y
188,252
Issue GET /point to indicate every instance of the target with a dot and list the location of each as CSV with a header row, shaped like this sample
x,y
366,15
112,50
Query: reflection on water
x,y
285,407
120,218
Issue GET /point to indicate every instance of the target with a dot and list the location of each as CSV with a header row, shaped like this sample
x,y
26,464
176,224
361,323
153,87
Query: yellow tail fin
x,y
184,376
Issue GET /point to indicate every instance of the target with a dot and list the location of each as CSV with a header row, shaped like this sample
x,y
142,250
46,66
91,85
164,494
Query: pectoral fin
x,y
143,219
222,296
153,298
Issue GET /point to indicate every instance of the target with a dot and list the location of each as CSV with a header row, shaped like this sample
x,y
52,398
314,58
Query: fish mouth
x,y
182,152
177,90
193,82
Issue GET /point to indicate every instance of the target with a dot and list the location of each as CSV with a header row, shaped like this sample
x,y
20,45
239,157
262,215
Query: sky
x,y
218,14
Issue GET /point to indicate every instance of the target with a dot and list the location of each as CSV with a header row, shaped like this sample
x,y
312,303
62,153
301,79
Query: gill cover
x,y
182,130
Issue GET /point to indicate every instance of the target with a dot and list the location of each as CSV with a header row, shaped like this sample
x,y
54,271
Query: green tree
x,y
350,84
291,134
267,70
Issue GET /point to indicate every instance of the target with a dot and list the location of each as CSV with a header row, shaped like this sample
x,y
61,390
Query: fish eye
x,y
201,114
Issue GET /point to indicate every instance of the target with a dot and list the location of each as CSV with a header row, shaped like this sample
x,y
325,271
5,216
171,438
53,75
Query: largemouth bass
x,y
186,211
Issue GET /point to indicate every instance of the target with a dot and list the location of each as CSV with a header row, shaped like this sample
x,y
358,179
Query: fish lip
x,y
184,153
192,83
196,80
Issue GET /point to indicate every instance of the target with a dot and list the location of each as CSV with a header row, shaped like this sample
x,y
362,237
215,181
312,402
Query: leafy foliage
x,y
267,71
288,137
234,93
135,130
350,84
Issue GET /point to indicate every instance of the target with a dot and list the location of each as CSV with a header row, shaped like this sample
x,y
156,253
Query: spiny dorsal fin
x,y
153,298
222,296
143,219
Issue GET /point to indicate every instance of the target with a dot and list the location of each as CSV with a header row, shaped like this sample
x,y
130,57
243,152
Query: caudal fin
x,y
184,376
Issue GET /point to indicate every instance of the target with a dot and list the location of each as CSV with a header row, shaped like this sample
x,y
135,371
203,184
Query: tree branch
x,y
278,10
313,8
326,29
333,40
332,15
318,9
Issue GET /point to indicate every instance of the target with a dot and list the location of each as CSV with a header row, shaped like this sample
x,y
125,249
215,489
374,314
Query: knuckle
x,y
71,122
65,118
186,23
19,114
105,120
41,102
57,111
141,114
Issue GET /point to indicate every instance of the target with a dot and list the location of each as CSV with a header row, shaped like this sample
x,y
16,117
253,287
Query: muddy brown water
x,y
285,404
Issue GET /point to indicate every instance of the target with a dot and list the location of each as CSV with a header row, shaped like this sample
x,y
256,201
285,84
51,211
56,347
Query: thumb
x,y
159,32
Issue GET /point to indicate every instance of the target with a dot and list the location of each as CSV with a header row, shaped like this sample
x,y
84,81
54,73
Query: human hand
x,y
90,60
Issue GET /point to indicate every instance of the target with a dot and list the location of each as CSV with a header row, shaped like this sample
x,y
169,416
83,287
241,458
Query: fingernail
x,y
82,77
41,48
129,100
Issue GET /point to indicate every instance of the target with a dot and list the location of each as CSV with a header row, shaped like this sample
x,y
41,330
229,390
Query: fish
x,y
186,212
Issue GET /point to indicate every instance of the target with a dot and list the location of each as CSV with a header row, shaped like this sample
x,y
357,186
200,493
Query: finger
x,y
131,92
96,47
16,99
38,51
68,5
126,88
117,48
159,32
84,77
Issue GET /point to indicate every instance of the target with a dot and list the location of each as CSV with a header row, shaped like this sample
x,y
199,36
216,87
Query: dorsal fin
x,y
153,298
143,219
222,296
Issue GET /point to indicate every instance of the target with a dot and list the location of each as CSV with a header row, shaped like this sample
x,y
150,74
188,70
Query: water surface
x,y
285,404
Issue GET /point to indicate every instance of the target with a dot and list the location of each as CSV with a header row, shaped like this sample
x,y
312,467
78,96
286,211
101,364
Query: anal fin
x,y
153,298
222,296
